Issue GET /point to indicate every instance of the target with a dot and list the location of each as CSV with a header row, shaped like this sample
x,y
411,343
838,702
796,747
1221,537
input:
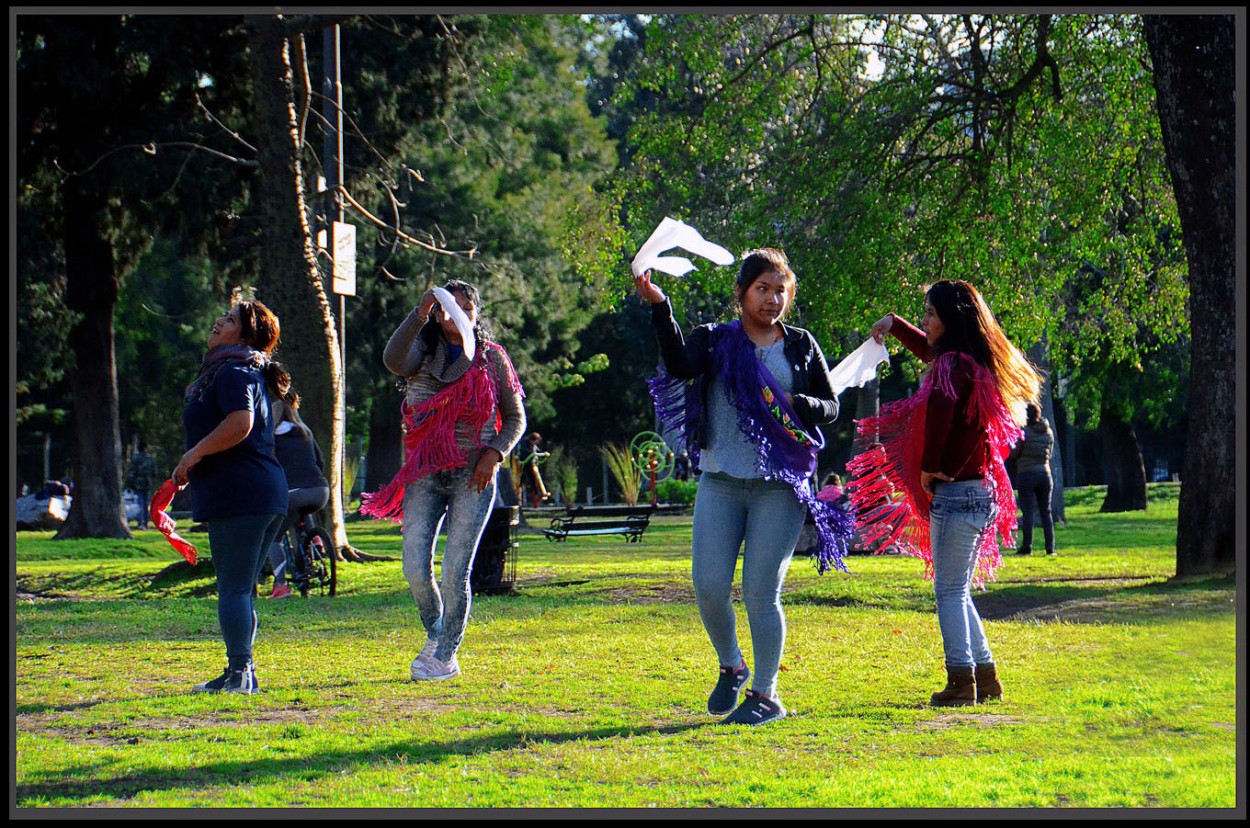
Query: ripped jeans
x,y
438,498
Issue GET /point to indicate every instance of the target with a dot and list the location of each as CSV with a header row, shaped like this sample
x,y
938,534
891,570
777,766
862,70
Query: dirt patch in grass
x,y
665,593
24,597
950,720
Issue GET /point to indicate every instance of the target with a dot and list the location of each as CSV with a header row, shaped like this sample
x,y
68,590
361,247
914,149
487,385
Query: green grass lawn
x,y
586,687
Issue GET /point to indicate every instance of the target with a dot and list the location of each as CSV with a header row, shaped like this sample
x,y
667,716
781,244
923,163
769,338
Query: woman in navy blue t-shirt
x,y
238,487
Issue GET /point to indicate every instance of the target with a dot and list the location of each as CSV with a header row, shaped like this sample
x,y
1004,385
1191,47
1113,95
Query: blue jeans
x,y
763,519
427,502
958,517
239,547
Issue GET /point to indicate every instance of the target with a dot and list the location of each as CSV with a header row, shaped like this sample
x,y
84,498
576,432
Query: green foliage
x,y
672,490
562,474
954,160
625,471
512,158
340,724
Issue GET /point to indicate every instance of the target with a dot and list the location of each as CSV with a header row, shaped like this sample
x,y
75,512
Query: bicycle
x,y
311,562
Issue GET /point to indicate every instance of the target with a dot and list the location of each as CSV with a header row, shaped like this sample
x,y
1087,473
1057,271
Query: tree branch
x,y
400,234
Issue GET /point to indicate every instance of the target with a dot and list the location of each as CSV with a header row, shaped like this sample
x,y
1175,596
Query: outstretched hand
x,y
648,291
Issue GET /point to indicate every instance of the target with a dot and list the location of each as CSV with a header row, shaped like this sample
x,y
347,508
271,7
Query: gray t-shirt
x,y
728,451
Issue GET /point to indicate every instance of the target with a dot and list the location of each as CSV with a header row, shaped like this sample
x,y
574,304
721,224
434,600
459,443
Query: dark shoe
x,y
756,709
988,685
241,681
960,690
1024,551
724,696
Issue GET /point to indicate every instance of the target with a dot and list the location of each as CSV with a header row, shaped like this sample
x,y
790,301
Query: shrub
x,y
671,490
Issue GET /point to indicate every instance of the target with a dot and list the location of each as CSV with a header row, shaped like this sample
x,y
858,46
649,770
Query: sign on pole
x,y
344,259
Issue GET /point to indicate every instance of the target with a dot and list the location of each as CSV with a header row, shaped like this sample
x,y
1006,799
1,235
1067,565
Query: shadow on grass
x,y
307,769
1098,601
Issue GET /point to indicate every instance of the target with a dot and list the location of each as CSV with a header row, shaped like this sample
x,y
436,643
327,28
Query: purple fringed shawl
x,y
891,507
787,451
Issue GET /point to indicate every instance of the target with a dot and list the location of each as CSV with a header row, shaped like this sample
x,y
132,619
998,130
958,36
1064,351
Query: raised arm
x,y
682,358
406,349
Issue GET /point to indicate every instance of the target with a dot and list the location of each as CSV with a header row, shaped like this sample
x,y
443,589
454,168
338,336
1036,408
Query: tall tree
x,y
95,92
1194,59
290,273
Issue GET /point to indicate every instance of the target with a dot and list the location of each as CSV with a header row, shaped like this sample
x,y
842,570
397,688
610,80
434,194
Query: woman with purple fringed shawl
x,y
462,414
746,398
933,481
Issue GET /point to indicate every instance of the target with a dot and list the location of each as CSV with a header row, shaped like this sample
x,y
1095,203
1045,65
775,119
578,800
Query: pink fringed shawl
x,y
891,507
430,430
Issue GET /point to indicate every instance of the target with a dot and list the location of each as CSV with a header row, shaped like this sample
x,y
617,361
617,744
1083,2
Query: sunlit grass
x,y
586,686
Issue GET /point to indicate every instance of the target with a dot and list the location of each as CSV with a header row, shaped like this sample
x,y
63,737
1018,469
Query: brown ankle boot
x,y
960,690
988,685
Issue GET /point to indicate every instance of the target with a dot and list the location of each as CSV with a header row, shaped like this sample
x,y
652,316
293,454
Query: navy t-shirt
x,y
245,479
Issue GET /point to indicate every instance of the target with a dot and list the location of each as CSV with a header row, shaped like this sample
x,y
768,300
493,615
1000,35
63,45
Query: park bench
x,y
630,521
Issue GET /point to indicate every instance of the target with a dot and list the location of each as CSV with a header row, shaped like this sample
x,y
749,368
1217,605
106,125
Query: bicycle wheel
x,y
322,568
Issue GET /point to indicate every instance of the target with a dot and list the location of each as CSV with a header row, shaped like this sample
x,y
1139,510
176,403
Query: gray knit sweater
x,y
429,372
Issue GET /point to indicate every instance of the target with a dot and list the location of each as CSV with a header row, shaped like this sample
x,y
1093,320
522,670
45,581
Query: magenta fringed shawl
x,y
430,430
890,506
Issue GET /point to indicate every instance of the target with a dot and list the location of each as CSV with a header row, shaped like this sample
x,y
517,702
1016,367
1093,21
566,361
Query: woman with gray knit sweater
x,y
462,414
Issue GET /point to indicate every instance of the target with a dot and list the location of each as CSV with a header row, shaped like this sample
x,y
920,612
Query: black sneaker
x,y
231,681
725,694
756,709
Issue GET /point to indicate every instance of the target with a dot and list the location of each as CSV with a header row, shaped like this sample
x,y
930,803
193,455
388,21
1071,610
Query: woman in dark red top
x,y
934,484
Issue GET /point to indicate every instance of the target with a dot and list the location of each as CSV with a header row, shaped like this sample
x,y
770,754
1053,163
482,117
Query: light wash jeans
x,y
446,494
238,548
763,519
958,516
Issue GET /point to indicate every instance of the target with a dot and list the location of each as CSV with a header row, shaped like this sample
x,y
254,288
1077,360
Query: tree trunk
x,y
1122,464
290,273
1195,83
91,290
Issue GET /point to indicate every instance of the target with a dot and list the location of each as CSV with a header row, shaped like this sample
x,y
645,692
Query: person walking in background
x,y
944,449
530,456
462,415
1033,479
237,485
746,398
300,455
141,479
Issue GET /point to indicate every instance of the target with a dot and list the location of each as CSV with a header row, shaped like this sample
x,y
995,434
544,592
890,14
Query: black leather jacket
x,y
688,358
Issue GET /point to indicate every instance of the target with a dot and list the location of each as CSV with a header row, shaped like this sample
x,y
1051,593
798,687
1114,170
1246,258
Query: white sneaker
x,y
427,652
434,670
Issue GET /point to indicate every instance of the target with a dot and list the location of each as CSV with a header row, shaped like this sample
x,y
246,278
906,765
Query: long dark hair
x,y
970,328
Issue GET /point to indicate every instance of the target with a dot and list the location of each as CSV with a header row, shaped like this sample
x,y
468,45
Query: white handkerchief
x,y
673,233
859,367
452,308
